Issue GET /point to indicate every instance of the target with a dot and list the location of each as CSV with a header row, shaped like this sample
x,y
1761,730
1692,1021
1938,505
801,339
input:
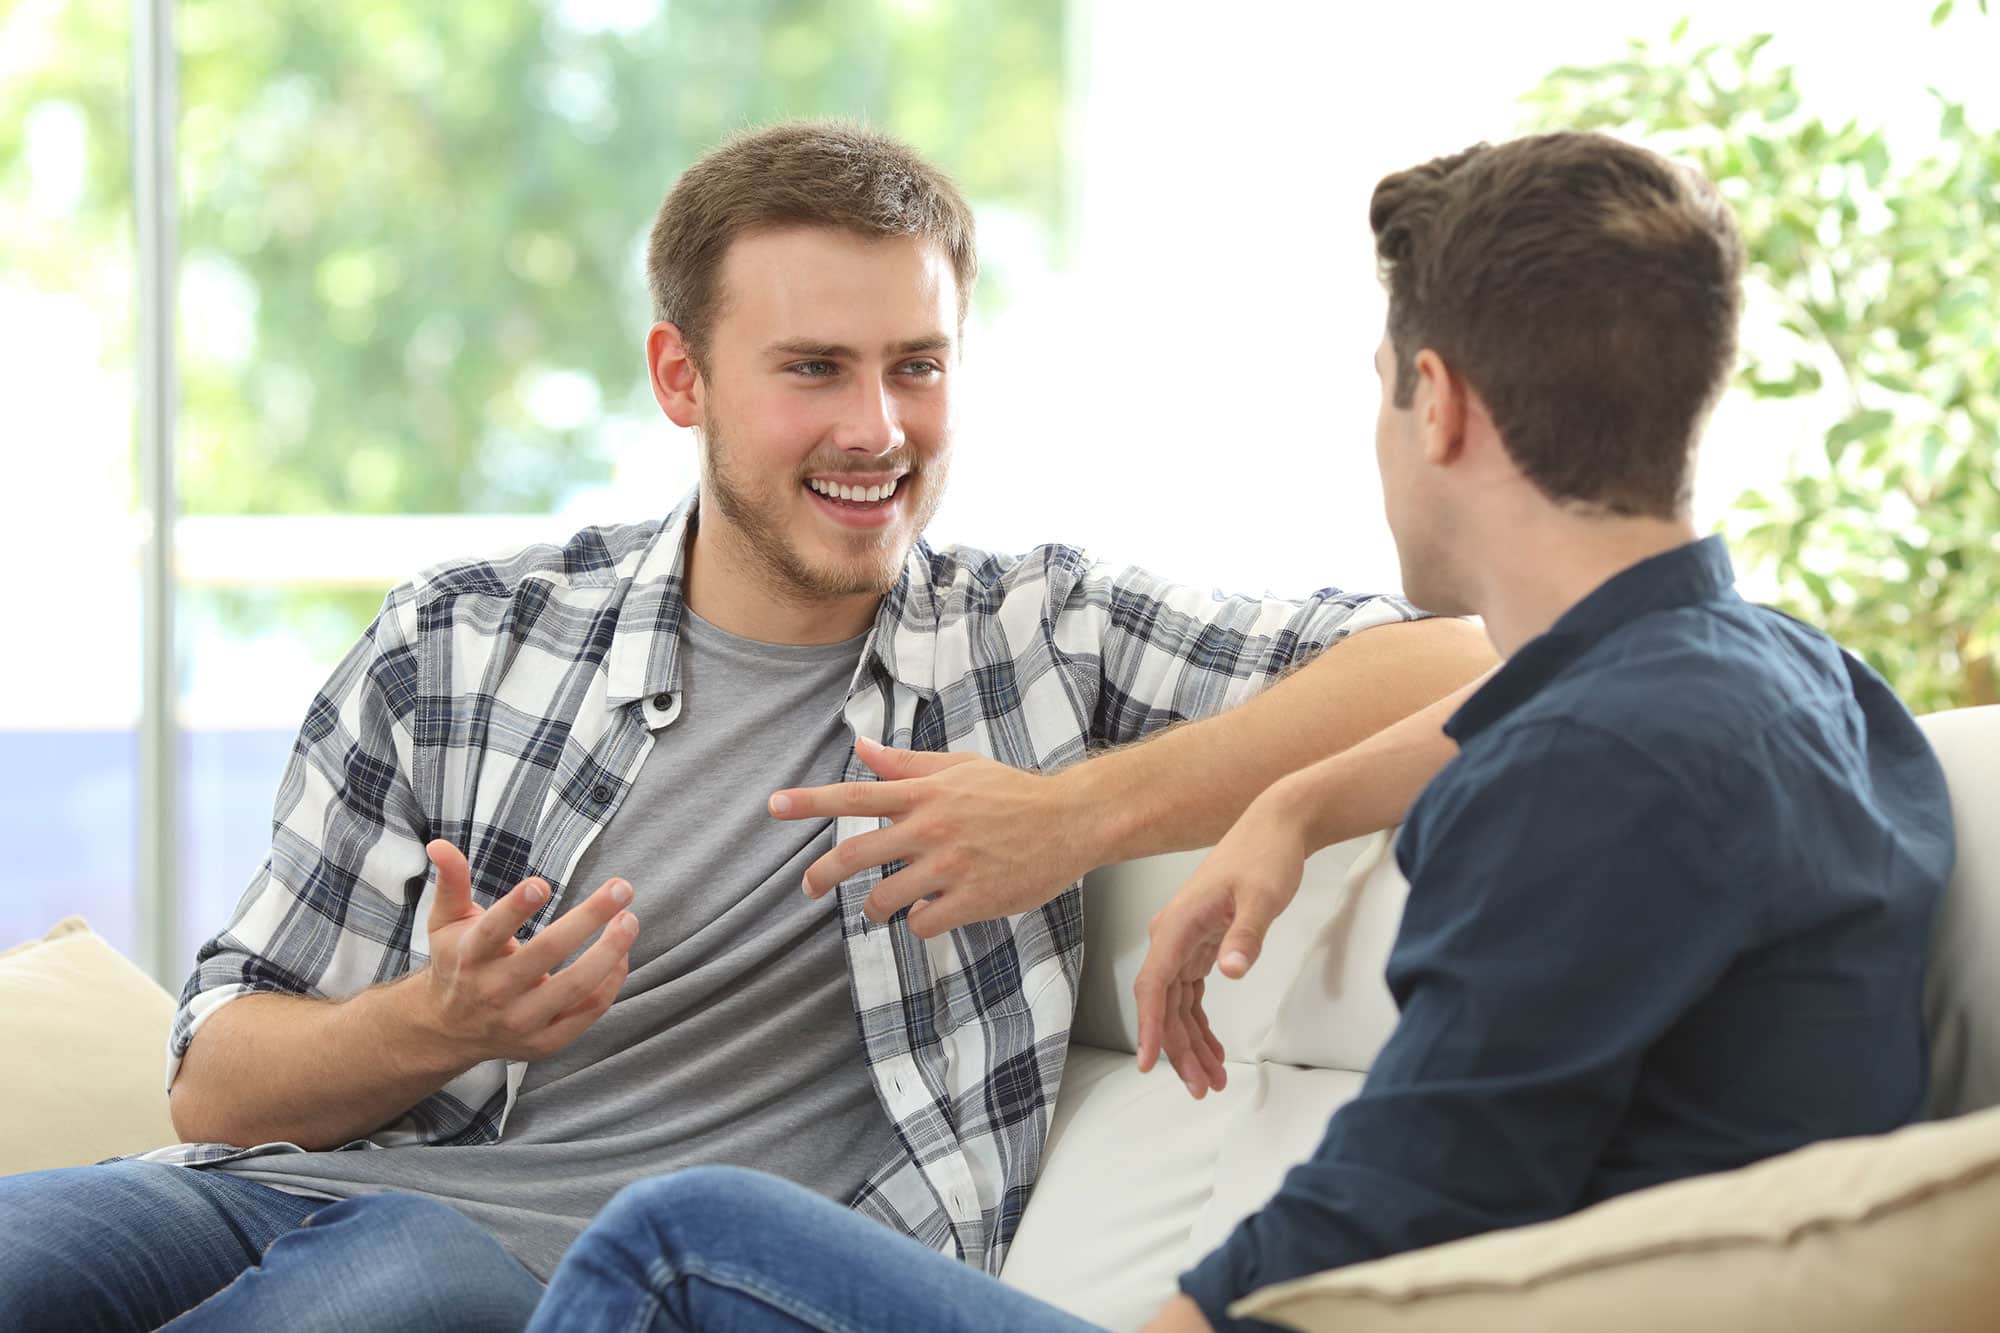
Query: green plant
x,y
1878,275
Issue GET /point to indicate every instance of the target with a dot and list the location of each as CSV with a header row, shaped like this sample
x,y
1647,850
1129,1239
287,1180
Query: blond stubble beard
x,y
768,544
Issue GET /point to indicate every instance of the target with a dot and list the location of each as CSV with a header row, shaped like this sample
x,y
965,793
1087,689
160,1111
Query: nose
x,y
869,422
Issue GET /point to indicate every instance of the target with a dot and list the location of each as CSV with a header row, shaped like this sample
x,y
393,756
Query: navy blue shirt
x,y
1669,913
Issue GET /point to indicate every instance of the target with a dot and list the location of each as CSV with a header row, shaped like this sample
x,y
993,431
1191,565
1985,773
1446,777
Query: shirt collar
x,y
1696,572
646,662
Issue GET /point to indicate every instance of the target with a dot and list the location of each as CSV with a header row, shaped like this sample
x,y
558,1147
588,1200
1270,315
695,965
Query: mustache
x,y
906,464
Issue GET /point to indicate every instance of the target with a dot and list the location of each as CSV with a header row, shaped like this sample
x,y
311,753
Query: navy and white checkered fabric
x,y
507,706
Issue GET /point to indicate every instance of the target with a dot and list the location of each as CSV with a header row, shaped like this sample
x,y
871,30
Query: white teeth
x,y
859,494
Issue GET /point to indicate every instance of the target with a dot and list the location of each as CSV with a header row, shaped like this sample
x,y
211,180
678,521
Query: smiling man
x,y
834,788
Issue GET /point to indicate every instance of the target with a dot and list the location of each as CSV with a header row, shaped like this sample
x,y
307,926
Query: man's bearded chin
x,y
871,569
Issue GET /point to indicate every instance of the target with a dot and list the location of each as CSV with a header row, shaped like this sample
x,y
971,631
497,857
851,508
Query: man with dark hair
x,y
423,1052
1669,906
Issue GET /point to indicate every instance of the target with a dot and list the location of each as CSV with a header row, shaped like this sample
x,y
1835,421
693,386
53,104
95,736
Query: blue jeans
x,y
720,1249
133,1245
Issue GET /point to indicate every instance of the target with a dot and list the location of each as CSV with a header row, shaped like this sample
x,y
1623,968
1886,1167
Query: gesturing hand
x,y
490,995
978,839
1221,913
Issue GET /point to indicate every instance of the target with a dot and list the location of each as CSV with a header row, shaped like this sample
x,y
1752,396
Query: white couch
x,y
1140,1180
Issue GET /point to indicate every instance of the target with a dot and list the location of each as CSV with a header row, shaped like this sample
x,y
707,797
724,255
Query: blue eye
x,y
812,369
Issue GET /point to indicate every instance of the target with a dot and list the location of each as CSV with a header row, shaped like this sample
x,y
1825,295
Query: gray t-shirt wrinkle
x,y
733,1039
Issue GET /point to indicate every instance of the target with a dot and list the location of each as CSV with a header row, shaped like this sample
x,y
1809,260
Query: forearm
x,y
1372,784
286,1069
1393,683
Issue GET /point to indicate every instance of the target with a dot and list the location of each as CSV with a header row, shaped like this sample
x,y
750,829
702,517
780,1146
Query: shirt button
x,y
600,794
663,701
525,933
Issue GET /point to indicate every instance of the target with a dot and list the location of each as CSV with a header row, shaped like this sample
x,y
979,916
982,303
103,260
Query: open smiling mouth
x,y
875,497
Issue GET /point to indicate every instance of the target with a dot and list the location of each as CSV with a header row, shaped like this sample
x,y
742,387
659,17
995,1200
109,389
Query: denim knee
x,y
701,1194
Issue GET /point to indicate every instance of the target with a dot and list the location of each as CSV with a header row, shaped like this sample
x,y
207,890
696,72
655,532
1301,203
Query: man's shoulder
x,y
957,578
592,562
1706,677
970,566
1696,696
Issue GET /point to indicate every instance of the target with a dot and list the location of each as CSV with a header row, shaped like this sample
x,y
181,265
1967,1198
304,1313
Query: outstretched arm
x,y
982,840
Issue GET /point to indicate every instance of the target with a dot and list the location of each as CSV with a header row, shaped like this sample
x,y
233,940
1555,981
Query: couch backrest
x,y
1963,1003
1118,905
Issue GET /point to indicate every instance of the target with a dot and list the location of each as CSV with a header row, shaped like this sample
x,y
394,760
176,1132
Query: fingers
x,y
932,917
841,798
898,764
1181,1042
453,900
855,855
900,890
492,935
576,984
575,1020
1245,939
1206,1047
1195,1052
1154,988
1150,991
568,932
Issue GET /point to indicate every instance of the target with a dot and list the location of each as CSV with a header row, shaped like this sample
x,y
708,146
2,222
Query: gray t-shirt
x,y
734,1038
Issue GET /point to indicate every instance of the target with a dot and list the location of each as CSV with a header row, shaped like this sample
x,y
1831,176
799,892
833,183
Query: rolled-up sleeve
x,y
332,908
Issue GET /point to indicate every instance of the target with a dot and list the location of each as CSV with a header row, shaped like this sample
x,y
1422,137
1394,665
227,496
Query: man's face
x,y
827,380
1410,498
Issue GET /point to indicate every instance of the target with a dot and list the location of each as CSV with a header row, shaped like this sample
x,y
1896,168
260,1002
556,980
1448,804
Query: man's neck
x,y
739,593
1537,576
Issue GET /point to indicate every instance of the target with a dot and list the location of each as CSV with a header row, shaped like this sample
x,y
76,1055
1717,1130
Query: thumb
x,y
1245,939
894,764
454,884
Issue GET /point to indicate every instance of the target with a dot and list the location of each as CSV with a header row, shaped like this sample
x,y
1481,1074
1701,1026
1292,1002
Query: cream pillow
x,y
1857,1236
1337,1012
82,1040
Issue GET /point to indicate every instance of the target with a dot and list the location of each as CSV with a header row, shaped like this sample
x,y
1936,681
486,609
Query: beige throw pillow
x,y
1895,1232
83,1042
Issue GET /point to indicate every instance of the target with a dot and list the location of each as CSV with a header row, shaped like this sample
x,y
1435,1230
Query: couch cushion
x,y
1130,1164
1897,1231
1140,1180
1963,998
83,1037
1337,1012
1277,1121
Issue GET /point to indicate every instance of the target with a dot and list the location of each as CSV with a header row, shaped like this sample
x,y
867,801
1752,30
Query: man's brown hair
x,y
1586,289
804,173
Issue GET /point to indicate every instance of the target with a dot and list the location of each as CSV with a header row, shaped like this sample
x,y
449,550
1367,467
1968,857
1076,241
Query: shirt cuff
x,y
1211,1284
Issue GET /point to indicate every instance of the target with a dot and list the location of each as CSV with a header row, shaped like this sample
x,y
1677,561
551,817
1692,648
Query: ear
x,y
1441,403
676,382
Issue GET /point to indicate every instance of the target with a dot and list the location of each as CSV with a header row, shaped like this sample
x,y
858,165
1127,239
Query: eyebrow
x,y
930,342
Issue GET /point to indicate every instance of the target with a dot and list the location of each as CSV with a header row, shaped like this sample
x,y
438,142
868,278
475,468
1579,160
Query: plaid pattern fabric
x,y
507,706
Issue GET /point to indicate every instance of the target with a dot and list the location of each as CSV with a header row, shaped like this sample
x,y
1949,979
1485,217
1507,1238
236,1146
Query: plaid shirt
x,y
507,707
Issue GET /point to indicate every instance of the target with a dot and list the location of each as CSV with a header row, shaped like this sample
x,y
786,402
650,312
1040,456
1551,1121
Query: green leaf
x,y
1764,152
1943,11
1927,457
1874,157
1854,428
1680,29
